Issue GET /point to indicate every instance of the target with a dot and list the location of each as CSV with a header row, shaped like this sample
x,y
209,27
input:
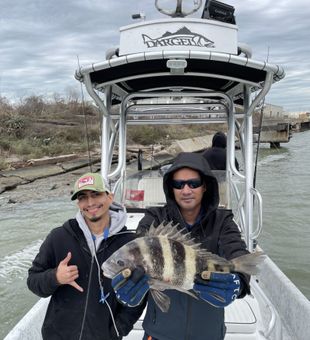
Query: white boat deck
x,y
240,320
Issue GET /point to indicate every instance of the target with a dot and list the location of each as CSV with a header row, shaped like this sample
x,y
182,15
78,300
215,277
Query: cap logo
x,y
88,180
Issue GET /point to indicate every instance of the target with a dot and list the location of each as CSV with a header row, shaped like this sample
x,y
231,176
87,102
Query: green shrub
x,y
31,106
5,144
146,134
13,125
20,147
70,134
3,164
5,106
33,129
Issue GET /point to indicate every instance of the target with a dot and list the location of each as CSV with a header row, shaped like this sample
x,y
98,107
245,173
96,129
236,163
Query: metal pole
x,y
248,168
105,136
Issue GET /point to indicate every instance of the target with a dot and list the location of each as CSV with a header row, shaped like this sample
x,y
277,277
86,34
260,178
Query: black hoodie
x,y
216,155
65,313
187,317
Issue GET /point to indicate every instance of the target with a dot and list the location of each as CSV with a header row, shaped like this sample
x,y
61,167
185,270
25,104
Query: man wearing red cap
x,y
67,268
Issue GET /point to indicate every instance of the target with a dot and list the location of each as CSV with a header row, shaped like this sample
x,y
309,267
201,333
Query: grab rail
x,y
258,230
268,304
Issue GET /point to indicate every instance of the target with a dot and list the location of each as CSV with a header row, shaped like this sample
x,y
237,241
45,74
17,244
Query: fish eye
x,y
120,263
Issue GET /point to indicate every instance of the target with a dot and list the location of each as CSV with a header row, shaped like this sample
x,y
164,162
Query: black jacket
x,y
216,158
64,317
187,317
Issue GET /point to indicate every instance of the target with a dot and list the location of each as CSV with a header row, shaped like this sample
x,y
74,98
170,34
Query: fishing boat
x,y
185,70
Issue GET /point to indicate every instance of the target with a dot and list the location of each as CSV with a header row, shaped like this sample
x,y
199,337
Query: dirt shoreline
x,y
53,180
38,182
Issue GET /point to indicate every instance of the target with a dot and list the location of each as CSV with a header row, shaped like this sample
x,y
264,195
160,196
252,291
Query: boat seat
x,y
240,319
153,191
145,192
148,191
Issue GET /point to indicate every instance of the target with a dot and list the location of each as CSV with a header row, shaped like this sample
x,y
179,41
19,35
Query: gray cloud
x,y
40,42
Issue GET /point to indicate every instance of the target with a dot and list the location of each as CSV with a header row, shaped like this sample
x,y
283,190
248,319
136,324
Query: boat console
x,y
184,70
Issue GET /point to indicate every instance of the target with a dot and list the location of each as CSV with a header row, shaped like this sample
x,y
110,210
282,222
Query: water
x,y
23,228
283,180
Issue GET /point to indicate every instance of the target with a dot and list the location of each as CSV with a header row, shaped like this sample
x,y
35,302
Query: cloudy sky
x,y
40,41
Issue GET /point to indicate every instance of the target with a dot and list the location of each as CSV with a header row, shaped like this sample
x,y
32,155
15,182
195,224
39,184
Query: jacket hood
x,y
118,219
219,140
196,162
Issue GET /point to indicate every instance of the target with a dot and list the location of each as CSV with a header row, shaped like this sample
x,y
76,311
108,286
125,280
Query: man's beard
x,y
95,218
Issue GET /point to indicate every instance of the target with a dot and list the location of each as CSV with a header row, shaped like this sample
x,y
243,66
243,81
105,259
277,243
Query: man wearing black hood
x,y
216,155
192,201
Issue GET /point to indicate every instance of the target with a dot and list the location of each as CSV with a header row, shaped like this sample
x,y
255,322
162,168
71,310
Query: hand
x,y
66,274
220,290
131,289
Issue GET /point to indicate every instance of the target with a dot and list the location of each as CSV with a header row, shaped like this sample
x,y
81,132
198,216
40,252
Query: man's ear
x,y
204,187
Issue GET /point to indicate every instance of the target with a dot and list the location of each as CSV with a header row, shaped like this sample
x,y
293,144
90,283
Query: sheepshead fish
x,y
172,259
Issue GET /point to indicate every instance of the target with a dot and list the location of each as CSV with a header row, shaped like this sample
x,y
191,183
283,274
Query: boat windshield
x,y
144,189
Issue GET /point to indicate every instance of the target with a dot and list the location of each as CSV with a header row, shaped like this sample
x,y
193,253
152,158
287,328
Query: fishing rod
x,y
259,133
85,123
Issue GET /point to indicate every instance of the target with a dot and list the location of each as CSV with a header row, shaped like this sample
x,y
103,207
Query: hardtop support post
x,y
105,136
248,169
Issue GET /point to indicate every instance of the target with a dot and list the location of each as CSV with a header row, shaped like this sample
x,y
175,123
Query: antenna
x,y
178,12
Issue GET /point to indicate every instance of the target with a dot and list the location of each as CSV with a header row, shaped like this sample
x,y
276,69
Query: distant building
x,y
274,112
304,116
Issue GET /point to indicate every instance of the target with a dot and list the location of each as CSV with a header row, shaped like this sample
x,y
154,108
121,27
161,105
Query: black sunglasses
x,y
192,183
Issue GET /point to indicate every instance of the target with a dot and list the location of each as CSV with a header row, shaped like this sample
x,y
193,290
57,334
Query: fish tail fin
x,y
249,263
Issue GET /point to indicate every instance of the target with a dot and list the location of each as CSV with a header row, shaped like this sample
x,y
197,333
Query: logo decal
x,y
88,180
182,37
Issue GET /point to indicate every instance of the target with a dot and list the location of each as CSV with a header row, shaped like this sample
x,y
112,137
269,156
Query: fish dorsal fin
x,y
152,230
172,232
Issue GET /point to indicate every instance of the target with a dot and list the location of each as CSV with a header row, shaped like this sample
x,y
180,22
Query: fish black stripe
x,y
137,255
178,256
156,255
218,267
200,264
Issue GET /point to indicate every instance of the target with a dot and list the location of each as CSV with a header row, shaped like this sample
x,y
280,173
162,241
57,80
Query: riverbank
x,y
46,180
56,178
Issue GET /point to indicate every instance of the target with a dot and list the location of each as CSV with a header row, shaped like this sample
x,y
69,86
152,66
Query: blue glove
x,y
220,290
131,290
